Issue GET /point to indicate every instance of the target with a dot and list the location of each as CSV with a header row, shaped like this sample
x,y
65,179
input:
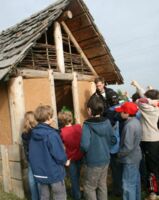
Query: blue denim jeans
x,y
131,182
74,170
32,185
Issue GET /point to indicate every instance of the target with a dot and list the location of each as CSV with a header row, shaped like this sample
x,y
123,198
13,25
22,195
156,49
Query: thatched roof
x,y
16,41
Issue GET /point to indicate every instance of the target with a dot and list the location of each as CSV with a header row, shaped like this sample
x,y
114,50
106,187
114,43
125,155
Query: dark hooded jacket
x,y
107,100
46,154
96,141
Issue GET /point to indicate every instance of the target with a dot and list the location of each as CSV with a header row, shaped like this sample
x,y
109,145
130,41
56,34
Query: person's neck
x,y
103,91
68,125
47,122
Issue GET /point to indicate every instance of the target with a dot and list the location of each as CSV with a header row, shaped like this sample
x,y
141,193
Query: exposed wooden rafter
x,y
78,47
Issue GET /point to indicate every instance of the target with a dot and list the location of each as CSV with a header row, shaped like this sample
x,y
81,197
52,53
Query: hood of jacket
x,y
40,131
97,125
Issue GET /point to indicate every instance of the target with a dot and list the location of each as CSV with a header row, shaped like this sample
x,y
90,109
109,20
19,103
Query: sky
x,y
130,29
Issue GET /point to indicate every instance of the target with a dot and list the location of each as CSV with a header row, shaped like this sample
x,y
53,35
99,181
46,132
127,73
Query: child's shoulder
x,y
131,122
76,126
54,134
96,120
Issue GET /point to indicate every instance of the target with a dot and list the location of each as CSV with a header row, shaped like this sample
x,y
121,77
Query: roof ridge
x,y
33,15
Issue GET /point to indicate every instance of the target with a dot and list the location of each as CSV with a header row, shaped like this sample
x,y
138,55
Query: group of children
x,y
111,135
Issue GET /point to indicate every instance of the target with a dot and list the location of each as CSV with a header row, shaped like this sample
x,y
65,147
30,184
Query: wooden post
x,y
75,98
53,97
6,177
59,47
67,15
78,47
11,169
47,50
93,87
17,107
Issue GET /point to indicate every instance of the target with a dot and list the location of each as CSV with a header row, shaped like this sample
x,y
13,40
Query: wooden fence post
x,y
5,169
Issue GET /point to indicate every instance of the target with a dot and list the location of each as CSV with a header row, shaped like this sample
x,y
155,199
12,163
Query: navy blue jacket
x,y
96,141
46,154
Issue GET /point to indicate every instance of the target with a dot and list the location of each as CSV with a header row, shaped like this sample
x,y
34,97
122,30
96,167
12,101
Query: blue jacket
x,y
46,154
96,141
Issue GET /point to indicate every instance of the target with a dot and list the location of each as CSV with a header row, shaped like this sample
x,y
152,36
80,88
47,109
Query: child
x,y
28,124
96,143
150,135
47,156
71,137
130,152
117,123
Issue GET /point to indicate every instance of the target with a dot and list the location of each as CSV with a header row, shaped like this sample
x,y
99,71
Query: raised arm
x,y
139,89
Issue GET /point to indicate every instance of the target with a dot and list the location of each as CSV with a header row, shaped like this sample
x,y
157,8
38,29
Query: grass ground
x,y
10,196
6,196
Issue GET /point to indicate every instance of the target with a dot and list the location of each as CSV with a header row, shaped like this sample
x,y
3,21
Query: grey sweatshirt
x,y
149,119
130,151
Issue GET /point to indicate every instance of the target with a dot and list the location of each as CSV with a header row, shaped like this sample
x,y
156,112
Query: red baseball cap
x,y
128,107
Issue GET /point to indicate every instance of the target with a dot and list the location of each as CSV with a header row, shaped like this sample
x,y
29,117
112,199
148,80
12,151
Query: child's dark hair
x,y
43,113
152,94
96,105
135,96
113,98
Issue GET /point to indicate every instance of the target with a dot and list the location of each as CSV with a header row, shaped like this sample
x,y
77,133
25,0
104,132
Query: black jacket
x,y
107,99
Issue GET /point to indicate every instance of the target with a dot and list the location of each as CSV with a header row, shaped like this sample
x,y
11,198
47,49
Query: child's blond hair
x,y
65,117
29,121
43,113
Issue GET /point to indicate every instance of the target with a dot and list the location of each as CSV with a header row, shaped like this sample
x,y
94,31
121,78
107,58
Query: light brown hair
x,y
29,121
43,113
99,79
65,117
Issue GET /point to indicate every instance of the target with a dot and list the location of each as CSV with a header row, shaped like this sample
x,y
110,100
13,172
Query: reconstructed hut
x,y
50,58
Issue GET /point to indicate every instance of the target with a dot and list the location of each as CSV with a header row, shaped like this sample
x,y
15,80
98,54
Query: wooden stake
x,y
6,169
59,47
47,51
75,98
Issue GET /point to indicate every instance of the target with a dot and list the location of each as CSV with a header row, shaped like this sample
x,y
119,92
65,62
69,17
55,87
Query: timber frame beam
x,y
31,73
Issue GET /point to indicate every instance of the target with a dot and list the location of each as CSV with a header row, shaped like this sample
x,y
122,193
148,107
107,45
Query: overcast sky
x,y
130,28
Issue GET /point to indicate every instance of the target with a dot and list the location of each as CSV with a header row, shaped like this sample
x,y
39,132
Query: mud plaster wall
x,y
36,92
84,91
5,123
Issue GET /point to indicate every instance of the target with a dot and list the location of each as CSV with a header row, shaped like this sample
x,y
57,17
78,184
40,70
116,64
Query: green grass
x,y
10,196
7,196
